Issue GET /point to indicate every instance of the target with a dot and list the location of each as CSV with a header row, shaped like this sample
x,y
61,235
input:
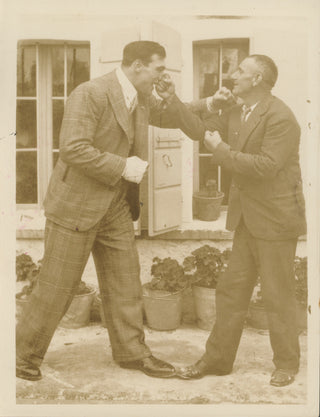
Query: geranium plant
x,y
168,275
25,267
206,263
27,270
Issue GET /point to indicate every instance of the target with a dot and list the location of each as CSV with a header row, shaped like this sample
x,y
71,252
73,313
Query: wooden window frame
x,y
219,43
43,98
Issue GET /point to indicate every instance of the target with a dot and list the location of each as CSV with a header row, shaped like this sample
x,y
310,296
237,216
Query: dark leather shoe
x,y
151,366
30,373
282,377
198,370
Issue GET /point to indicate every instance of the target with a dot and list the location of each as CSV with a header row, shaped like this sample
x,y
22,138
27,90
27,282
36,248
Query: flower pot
x,y
205,306
21,304
257,316
188,307
102,316
207,208
78,313
163,309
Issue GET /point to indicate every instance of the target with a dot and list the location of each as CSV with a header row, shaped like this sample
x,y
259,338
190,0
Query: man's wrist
x,y
168,100
210,105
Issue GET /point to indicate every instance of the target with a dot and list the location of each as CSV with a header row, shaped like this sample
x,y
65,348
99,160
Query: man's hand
x,y
135,169
212,140
221,99
165,87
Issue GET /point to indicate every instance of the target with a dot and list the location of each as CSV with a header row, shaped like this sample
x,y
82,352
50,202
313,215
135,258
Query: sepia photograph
x,y
160,208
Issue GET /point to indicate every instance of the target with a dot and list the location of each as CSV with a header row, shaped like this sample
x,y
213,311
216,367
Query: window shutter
x,y
165,170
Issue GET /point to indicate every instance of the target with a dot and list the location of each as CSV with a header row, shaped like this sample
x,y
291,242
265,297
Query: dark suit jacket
x,y
94,144
263,156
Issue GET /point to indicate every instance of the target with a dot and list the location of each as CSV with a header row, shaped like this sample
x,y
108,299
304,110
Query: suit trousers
x,y
273,261
112,243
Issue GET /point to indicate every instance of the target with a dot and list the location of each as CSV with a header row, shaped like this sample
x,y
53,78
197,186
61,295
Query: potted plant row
x,y
167,298
78,313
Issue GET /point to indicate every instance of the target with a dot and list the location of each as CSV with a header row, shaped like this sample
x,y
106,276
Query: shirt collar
x,y
129,91
244,107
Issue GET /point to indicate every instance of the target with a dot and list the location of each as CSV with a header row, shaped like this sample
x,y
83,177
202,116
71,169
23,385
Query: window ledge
x,y
30,224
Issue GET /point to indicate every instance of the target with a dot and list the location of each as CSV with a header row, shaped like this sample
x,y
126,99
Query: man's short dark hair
x,y
268,68
142,50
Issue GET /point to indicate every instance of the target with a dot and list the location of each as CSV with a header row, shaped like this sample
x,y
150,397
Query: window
x,y
47,72
214,62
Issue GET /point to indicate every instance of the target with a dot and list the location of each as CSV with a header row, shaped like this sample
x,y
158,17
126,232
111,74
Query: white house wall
x,y
284,39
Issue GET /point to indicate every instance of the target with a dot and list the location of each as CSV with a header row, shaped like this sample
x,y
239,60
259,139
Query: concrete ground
x,y
78,368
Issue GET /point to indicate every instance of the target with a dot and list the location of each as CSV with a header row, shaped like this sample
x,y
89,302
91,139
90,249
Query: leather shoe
x,y
198,370
151,366
282,377
29,372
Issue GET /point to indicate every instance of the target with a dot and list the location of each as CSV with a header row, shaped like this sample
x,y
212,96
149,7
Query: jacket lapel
x,y
117,102
141,130
253,120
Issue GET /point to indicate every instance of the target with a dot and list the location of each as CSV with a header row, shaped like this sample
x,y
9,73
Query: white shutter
x,y
165,170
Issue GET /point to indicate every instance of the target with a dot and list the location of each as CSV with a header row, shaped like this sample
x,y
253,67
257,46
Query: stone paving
x,y
78,368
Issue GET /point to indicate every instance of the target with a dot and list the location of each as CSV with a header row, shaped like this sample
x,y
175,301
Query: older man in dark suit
x,y
90,204
258,142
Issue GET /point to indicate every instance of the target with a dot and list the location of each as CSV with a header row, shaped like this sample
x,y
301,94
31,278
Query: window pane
x,y
57,57
55,157
26,182
78,66
231,58
26,124
57,114
26,71
208,71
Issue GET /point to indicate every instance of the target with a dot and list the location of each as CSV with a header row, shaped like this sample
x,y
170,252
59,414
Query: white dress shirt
x,y
129,92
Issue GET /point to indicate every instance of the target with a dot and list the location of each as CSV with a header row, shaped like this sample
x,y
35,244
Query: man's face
x,y
245,78
149,74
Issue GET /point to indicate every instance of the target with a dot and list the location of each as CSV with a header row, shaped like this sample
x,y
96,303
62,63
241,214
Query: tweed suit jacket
x,y
94,145
263,157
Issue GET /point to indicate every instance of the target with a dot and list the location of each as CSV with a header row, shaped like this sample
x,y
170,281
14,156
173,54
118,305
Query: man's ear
x,y
257,79
137,65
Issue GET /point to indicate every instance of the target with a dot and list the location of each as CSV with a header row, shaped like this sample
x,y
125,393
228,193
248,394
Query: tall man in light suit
x,y
259,144
90,204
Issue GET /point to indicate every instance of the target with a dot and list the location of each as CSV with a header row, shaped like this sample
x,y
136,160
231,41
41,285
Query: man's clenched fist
x,y
221,99
212,140
135,169
165,86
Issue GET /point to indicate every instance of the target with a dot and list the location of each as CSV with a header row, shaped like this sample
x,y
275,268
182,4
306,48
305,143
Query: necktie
x,y
133,105
245,111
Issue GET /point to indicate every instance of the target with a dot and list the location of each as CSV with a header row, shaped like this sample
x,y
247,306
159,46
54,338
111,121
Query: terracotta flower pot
x,y
207,208
163,309
78,313
205,306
